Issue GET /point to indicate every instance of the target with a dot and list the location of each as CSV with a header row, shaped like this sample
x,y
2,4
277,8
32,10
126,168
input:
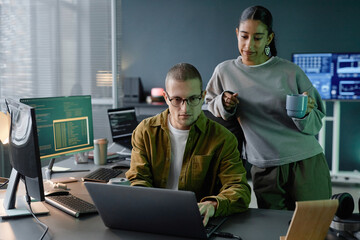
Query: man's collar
x,y
201,122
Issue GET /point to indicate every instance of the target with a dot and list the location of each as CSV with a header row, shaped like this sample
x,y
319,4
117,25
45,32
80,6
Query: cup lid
x,y
100,141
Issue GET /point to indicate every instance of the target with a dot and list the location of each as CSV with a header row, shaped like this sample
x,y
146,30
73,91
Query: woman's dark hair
x,y
262,14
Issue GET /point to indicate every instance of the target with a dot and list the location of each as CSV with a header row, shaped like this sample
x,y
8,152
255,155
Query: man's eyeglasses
x,y
191,101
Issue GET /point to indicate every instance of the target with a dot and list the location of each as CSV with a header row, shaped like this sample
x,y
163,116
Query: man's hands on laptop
x,y
207,209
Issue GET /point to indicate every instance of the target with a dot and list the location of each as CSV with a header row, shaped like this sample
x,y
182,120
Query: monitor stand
x,y
7,205
49,171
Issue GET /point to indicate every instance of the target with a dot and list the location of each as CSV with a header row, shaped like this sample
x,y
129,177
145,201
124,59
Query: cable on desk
x,y
227,235
32,213
4,183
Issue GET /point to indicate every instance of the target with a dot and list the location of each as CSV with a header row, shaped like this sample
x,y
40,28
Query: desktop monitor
x,y
25,160
336,76
65,125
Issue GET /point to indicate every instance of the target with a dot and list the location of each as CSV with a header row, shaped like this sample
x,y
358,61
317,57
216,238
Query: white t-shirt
x,y
178,140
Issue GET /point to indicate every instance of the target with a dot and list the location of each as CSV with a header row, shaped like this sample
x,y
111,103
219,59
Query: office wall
x,y
160,33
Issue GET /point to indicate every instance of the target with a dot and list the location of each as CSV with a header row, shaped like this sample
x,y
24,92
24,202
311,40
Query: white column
x,y
115,94
336,138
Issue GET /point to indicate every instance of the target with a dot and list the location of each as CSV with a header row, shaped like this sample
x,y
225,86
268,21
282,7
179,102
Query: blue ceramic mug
x,y
296,105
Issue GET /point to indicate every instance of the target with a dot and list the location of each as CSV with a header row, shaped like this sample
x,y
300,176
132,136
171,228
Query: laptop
x,y
155,210
122,124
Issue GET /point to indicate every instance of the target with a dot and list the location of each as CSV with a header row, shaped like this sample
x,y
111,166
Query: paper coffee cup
x,y
100,151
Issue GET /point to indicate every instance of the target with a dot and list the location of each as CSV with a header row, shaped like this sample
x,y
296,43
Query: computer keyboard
x,y
70,204
102,175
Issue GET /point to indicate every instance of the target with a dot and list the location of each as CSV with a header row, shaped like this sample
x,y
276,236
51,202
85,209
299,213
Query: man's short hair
x,y
183,72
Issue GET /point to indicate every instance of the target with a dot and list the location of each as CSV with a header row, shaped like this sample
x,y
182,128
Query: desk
x,y
255,224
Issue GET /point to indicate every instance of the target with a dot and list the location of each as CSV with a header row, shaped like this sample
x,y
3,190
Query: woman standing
x,y
288,162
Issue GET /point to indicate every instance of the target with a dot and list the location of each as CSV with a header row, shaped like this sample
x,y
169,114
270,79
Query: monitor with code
x,y
64,124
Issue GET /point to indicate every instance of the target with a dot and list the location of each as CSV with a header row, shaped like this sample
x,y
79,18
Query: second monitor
x,y
65,125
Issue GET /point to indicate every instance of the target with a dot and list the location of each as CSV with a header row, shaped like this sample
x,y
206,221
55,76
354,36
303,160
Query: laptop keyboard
x,y
70,204
209,228
102,175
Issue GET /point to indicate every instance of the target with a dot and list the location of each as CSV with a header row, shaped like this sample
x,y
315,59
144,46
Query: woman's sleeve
x,y
311,123
214,94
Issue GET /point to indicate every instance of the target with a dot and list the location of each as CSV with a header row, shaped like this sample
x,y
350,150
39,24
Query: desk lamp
x,y
5,127
4,138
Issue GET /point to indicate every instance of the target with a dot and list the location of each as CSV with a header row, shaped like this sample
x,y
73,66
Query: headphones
x,y
346,205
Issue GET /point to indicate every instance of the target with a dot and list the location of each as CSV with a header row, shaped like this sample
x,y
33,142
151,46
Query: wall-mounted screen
x,y
335,75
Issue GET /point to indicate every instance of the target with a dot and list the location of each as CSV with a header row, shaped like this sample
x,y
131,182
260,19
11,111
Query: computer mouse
x,y
56,192
119,181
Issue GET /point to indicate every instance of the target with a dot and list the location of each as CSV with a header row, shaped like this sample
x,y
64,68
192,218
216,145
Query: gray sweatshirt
x,y
271,137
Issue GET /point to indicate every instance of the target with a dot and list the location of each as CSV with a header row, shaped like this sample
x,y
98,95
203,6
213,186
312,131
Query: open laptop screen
x,y
122,124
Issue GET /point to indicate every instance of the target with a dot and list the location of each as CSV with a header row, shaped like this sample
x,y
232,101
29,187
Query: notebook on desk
x,y
154,210
122,124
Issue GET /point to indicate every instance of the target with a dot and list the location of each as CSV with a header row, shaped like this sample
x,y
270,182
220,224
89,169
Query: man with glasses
x,y
181,149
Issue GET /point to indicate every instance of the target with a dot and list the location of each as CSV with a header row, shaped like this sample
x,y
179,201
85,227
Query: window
x,y
55,48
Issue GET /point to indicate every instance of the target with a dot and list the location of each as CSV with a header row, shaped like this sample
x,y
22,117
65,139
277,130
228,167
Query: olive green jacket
x,y
211,168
